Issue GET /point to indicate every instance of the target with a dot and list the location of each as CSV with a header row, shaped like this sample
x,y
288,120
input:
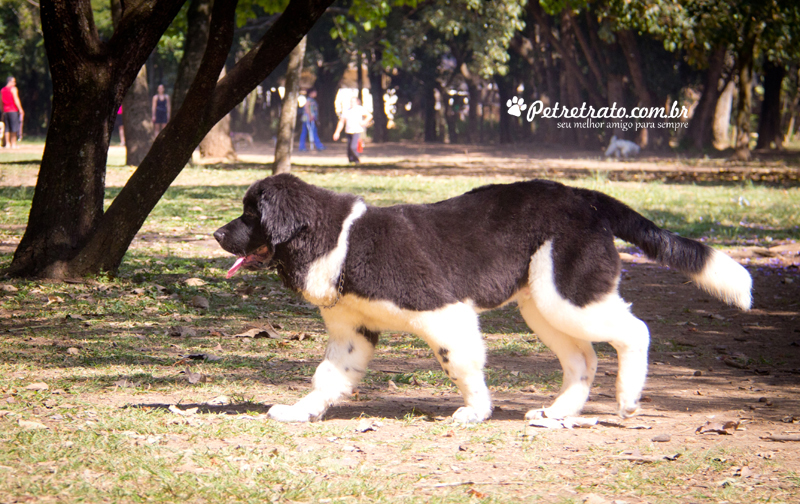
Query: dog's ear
x,y
284,213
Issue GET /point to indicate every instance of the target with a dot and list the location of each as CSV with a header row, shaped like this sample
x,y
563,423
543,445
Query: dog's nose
x,y
219,234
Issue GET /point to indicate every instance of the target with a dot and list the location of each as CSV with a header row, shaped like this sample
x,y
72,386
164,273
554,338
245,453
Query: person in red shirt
x,y
13,114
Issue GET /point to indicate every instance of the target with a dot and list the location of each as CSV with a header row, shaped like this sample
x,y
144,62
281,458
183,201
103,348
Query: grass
x,y
107,351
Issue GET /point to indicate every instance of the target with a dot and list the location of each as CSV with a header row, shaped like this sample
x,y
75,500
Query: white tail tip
x,y
726,279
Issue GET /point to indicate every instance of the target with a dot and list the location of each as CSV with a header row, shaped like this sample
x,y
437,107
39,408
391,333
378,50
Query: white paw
x,y
563,423
628,409
467,415
516,106
286,413
540,413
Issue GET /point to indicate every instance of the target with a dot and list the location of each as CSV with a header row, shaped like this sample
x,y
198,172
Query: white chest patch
x,y
323,275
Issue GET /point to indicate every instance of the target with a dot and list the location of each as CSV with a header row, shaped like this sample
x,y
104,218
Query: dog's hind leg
x,y
608,319
578,361
347,355
454,335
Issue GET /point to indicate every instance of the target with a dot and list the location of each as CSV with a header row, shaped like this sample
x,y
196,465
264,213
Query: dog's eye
x,y
249,214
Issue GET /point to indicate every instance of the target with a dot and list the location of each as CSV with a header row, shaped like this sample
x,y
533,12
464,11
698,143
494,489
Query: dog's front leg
x,y
346,357
455,337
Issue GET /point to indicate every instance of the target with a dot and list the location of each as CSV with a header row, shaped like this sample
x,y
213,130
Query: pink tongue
x,y
235,267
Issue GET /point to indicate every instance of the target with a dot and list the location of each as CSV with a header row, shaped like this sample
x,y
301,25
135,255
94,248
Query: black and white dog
x,y
429,269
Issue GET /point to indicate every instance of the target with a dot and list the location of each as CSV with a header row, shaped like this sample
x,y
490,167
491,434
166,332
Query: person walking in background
x,y
13,115
310,115
353,120
161,110
120,125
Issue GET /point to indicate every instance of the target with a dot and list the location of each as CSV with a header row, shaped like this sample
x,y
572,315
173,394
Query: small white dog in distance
x,y
622,148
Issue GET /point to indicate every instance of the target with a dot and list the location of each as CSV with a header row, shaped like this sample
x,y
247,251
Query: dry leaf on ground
x,y
722,427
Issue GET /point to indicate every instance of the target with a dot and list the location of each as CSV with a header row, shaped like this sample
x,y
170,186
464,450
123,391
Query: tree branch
x,y
256,65
590,60
168,155
143,23
538,13
77,41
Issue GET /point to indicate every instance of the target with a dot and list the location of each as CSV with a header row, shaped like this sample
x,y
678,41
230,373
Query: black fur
x,y
297,221
475,246
371,336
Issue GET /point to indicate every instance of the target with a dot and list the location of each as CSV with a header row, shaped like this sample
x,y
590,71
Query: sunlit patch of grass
x,y
724,214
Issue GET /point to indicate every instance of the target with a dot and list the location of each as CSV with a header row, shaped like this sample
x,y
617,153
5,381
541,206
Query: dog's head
x,y
276,210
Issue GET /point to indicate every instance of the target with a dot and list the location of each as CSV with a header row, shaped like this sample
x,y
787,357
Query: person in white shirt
x,y
353,120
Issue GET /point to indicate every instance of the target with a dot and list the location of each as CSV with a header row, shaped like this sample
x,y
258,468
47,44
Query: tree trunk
x,y
567,54
700,131
744,105
88,88
68,234
360,76
505,88
327,86
283,148
573,94
217,143
616,95
137,119
136,114
198,20
474,98
379,132
552,93
722,117
586,49
628,43
429,112
790,119
769,124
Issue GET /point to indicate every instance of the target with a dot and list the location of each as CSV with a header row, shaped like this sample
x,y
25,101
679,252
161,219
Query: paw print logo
x,y
516,106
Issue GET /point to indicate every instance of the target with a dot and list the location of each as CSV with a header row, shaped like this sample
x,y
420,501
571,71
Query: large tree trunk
x,y
283,147
137,119
769,124
700,131
68,234
90,78
378,108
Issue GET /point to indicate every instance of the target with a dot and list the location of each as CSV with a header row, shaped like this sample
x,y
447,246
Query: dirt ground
x,y
709,364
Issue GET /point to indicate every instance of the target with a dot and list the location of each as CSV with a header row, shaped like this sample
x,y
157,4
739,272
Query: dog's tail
x,y
712,270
